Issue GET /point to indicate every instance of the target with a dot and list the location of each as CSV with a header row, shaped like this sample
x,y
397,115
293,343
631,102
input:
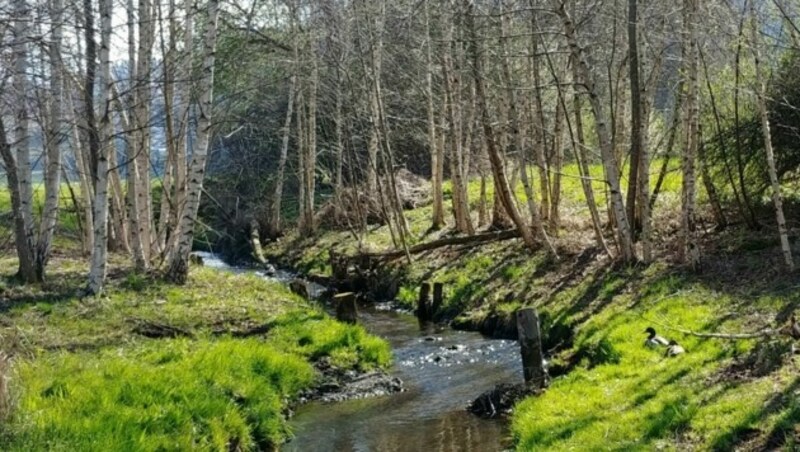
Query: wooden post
x,y
438,297
530,343
423,305
338,267
346,307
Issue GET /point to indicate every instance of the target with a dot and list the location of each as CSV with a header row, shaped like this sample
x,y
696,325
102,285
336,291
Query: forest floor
x,y
609,392
212,365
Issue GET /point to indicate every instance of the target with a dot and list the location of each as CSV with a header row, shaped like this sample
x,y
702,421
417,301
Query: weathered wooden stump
x,y
196,259
299,287
438,298
424,302
338,267
346,307
530,343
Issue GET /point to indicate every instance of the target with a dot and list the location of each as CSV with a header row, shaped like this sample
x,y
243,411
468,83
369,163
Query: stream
x,y
442,371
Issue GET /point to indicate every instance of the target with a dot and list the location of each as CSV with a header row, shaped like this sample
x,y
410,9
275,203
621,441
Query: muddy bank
x,y
338,385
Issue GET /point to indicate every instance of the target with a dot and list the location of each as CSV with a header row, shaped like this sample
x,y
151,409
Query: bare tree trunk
x,y
168,50
376,59
99,258
483,214
557,166
311,145
624,236
142,198
24,252
26,240
52,143
718,125
179,264
437,154
777,198
498,169
277,194
636,112
453,101
183,144
708,182
579,149
689,249
519,138
673,133
88,90
537,117
82,164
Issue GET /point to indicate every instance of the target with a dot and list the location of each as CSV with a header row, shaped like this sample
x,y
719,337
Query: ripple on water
x,y
431,414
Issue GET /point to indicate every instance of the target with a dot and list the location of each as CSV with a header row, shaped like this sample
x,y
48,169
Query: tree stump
x,y
299,287
424,302
530,343
346,307
338,267
196,259
438,298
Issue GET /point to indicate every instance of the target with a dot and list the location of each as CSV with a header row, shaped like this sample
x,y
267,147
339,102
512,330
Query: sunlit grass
x,y
84,379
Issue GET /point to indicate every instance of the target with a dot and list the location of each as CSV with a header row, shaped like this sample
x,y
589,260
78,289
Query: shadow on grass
x,y
784,432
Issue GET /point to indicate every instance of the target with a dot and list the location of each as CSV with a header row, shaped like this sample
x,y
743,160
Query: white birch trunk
x,y
777,197
179,263
624,235
52,142
21,144
99,258
689,250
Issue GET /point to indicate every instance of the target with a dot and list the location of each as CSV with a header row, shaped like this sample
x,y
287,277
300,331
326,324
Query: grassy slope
x,y
617,395
82,378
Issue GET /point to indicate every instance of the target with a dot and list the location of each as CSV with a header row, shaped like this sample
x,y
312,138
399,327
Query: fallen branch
x,y
766,332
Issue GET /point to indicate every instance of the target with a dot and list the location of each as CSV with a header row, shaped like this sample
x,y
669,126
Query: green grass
x,y
170,395
641,400
84,379
612,392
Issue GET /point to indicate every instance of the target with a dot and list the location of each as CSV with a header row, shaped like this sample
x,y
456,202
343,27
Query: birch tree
x,y
498,170
689,249
584,71
777,198
99,257
179,263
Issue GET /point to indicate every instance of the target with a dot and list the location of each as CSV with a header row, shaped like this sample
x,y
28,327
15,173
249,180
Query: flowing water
x,y
442,371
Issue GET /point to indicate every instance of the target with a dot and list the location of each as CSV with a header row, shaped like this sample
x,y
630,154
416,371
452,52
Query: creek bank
x,y
338,384
500,400
335,383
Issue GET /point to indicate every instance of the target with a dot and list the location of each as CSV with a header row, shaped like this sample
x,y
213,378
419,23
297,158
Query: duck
x,y
654,340
674,349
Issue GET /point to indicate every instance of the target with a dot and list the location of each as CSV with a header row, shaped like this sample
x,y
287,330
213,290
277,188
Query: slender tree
x,y
179,263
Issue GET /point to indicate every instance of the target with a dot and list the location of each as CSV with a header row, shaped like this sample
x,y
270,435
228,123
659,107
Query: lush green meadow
x,y
87,374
